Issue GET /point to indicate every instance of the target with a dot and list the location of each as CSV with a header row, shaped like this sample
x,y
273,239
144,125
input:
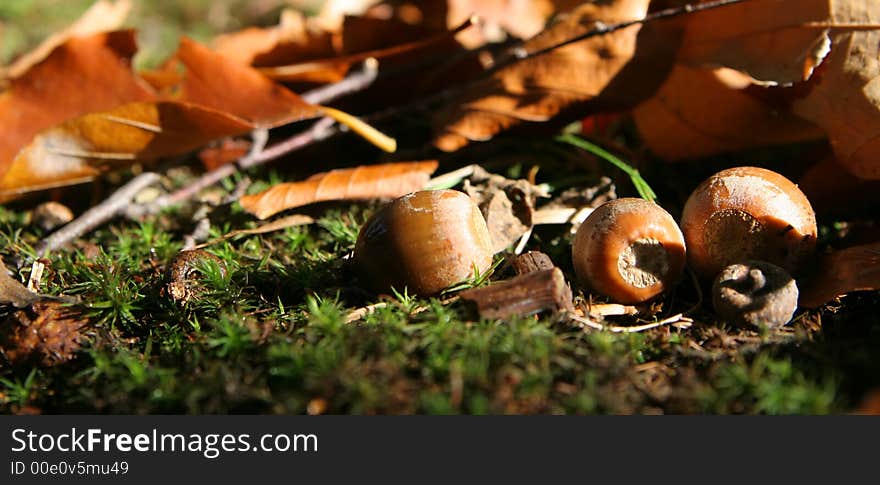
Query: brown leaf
x,y
83,75
102,16
613,71
213,81
845,101
294,39
388,40
832,190
13,292
365,182
842,272
523,19
700,112
78,149
777,41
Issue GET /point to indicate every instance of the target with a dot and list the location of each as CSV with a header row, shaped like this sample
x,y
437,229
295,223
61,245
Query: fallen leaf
x,y
213,81
365,182
523,19
613,71
842,272
294,39
12,292
701,112
78,149
870,405
507,205
845,101
225,151
833,191
389,41
85,74
102,16
776,41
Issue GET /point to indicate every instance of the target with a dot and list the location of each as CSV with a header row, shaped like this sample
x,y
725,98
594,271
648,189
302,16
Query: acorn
x,y
425,242
630,250
748,213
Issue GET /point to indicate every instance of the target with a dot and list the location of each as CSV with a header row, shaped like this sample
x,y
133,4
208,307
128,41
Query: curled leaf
x,y
845,101
365,182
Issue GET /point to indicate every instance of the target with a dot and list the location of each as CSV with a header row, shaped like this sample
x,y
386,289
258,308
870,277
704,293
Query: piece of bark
x,y
522,295
532,261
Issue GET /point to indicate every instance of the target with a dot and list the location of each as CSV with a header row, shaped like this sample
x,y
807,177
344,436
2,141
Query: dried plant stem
x,y
679,321
108,209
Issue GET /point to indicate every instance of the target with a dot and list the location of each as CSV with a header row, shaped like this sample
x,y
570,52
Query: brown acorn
x,y
630,250
748,213
425,242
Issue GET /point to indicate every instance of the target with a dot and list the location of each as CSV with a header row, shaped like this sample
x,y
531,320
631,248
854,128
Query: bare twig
x,y
518,53
356,82
108,209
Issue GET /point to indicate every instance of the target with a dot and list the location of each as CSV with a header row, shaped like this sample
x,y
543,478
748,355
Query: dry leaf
x,y
294,39
777,41
388,40
222,84
842,272
832,190
102,16
12,292
365,182
523,19
78,149
292,220
699,112
83,75
613,71
845,101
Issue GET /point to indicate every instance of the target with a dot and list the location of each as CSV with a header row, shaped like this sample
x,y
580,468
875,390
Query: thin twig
x,y
108,209
517,54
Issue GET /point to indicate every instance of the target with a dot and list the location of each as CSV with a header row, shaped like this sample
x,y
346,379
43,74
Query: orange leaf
x,y
613,71
103,16
214,81
294,39
834,191
83,75
700,112
78,149
842,272
778,41
365,182
845,101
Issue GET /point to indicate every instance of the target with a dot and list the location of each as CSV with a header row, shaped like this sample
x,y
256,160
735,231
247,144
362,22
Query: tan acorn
x,y
748,213
630,250
424,241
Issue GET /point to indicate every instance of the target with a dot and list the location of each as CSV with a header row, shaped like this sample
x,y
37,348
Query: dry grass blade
x,y
365,182
276,225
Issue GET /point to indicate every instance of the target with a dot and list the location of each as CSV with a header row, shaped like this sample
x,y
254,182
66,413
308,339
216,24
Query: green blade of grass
x,y
638,181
